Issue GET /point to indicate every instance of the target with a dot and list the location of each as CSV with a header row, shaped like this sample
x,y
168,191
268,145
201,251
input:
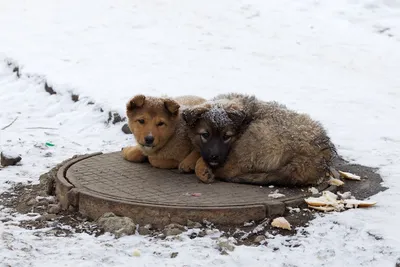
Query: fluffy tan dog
x,y
160,132
245,140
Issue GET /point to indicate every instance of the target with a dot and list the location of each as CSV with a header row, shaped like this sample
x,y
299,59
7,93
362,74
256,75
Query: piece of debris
x,y
49,144
136,253
349,176
196,194
292,210
282,223
9,159
323,208
276,194
174,255
224,245
344,195
8,125
313,190
354,203
248,223
116,225
329,202
336,182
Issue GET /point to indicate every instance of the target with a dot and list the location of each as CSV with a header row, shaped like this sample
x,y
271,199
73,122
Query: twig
x,y
5,127
42,128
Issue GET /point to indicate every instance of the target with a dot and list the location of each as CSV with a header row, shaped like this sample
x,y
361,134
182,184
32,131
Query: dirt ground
x,y
38,201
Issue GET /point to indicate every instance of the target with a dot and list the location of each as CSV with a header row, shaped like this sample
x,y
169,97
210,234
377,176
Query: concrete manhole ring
x,y
100,183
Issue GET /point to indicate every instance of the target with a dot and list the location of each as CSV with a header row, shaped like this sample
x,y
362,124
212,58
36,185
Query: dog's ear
x,y
191,115
236,114
136,102
172,106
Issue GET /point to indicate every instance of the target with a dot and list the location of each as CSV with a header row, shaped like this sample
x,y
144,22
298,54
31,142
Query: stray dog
x,y
160,132
242,139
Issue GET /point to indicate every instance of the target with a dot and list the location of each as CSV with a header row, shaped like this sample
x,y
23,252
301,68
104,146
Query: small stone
x,y
175,225
259,239
116,225
75,98
202,233
47,181
144,230
193,236
398,262
125,129
48,155
31,202
49,89
224,244
54,209
9,159
174,254
191,224
172,232
46,217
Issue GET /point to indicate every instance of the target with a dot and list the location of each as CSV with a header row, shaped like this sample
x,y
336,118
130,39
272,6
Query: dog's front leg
x,y
163,163
189,163
229,170
203,172
133,153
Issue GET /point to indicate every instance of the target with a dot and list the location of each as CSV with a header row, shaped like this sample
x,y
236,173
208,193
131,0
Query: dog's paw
x,y
203,172
133,153
187,166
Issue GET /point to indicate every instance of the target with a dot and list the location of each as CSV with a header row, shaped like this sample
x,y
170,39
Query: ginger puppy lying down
x,y
245,140
160,132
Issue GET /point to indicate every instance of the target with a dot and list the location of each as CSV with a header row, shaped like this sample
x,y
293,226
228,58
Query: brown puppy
x,y
245,140
160,132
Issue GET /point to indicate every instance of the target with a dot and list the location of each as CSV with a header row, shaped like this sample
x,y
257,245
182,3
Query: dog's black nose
x,y
149,140
214,157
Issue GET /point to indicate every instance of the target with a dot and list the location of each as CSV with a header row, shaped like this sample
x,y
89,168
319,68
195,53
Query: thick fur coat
x,y
257,142
160,132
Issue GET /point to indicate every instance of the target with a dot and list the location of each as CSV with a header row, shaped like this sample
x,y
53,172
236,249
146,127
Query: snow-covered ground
x,y
332,59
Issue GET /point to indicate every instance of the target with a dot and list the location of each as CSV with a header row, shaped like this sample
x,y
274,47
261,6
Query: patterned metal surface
x,y
110,176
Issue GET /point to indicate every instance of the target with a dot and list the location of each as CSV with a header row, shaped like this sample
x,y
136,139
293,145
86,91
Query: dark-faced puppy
x,y
214,129
243,139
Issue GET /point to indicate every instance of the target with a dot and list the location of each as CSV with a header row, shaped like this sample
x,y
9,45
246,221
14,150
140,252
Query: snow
x,y
9,154
326,58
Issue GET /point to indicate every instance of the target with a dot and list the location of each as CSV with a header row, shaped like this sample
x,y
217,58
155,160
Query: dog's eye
x,y
141,121
226,138
160,123
205,135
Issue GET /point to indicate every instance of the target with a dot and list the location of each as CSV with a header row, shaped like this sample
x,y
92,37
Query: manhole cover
x,y
101,183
